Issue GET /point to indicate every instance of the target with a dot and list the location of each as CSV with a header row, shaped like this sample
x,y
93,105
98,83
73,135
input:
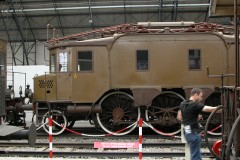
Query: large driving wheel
x,y
58,117
162,114
213,100
118,113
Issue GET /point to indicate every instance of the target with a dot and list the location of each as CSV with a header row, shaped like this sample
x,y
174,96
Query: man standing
x,y
189,115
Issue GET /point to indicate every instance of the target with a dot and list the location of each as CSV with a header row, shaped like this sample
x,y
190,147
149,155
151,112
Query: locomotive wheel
x,y
213,100
57,116
117,113
162,114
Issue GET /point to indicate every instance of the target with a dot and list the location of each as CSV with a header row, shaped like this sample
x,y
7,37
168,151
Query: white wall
x,y
42,61
19,78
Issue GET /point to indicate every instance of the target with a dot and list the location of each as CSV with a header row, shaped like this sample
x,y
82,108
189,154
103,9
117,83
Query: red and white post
x,y
140,138
50,137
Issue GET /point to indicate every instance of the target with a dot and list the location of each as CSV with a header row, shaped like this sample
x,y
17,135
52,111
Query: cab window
x,y
194,59
85,61
63,61
53,63
2,63
142,60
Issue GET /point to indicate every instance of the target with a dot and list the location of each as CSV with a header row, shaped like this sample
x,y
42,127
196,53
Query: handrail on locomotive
x,y
222,76
230,106
134,28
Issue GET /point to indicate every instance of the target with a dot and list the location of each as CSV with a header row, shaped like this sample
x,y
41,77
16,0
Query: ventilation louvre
x,y
46,84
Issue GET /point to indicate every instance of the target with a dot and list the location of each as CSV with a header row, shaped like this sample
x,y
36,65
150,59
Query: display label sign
x,y
115,144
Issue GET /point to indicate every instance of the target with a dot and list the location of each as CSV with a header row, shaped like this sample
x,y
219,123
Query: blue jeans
x,y
194,140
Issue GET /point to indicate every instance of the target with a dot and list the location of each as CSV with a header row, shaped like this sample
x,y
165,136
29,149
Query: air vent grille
x,y
46,84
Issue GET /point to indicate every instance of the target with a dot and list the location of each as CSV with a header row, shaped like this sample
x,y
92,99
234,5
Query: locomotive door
x,y
64,83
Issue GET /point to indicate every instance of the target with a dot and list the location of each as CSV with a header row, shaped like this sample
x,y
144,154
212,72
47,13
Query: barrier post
x,y
187,147
140,139
50,137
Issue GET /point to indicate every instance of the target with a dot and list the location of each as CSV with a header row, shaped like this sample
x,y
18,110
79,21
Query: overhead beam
x,y
58,17
175,7
25,55
110,7
34,38
9,38
206,15
110,12
160,11
91,21
125,17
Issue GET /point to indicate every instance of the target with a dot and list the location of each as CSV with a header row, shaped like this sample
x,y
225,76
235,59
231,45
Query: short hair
x,y
196,90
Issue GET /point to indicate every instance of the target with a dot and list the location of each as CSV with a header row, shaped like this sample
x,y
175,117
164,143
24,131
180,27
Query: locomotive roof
x,y
103,36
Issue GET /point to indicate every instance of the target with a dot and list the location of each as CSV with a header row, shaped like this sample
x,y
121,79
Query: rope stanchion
x,y
162,133
50,137
214,129
91,135
140,139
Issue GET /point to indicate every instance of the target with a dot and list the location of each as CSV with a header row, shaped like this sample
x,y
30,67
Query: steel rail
x,y
149,136
84,144
96,154
22,144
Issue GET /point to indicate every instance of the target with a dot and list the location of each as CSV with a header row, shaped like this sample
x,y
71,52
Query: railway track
x,y
95,154
43,135
87,150
149,136
83,145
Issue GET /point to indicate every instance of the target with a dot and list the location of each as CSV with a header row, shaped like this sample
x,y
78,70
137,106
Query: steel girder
x,y
25,53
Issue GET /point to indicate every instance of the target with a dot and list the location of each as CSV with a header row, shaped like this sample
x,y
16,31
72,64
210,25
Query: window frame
x,y
136,61
51,55
58,60
85,71
200,51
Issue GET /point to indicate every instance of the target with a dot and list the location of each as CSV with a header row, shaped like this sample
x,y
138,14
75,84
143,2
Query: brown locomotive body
x,y
133,71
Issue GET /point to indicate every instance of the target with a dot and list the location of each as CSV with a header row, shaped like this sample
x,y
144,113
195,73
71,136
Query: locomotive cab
x,y
60,64
73,75
55,86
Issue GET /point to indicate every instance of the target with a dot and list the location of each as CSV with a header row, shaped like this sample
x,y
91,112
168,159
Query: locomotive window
x,y
194,59
2,62
85,61
63,62
142,60
53,63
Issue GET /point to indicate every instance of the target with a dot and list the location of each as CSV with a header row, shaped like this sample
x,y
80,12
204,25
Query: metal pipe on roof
x,y
169,24
104,7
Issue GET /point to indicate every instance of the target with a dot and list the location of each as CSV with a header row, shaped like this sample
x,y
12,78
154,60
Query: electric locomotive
x,y
115,75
